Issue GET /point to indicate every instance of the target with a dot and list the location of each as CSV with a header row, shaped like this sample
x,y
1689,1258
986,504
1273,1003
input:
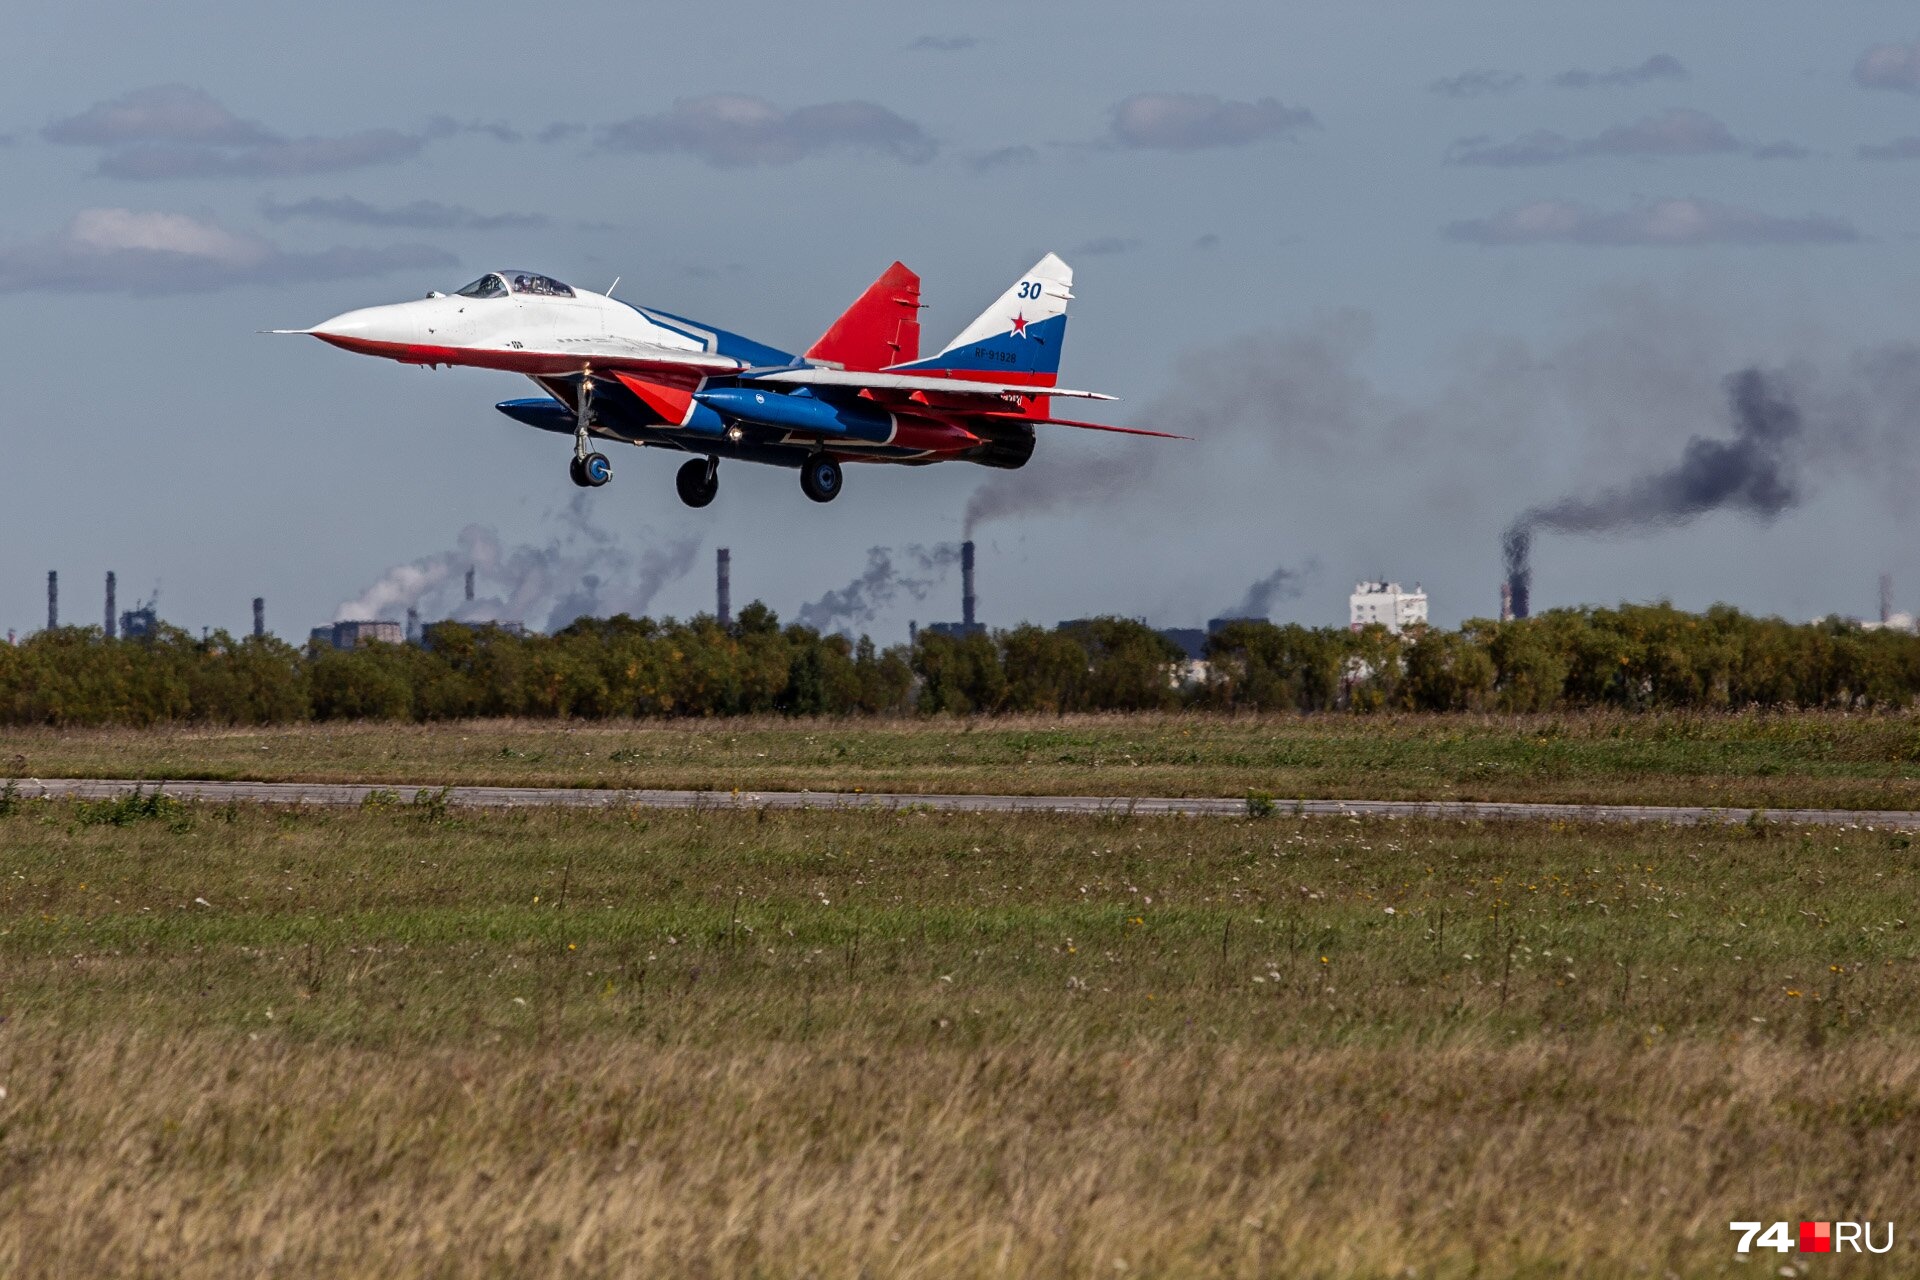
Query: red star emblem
x,y
1020,325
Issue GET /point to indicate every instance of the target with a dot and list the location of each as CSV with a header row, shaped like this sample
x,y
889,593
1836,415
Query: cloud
x,y
148,252
1207,240
293,157
1781,151
1001,158
1676,132
1660,66
1101,246
176,131
944,44
560,131
732,130
425,215
1477,84
1192,121
173,113
1907,148
447,127
1677,222
1889,66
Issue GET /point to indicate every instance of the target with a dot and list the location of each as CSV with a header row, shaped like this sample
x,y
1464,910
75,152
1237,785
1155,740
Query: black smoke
x,y
1282,584
1753,472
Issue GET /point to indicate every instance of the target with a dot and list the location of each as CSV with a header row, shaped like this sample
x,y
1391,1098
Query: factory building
x,y
1385,604
351,635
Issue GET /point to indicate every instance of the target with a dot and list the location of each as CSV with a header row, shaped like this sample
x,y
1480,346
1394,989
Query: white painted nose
x,y
374,329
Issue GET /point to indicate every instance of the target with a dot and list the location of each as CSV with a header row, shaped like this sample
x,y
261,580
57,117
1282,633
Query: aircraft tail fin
x,y
881,328
1018,338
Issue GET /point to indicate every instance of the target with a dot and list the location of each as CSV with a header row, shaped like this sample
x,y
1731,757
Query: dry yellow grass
x,y
180,1154
399,1042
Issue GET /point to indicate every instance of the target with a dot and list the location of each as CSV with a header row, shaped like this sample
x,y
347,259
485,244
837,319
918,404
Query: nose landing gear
x,y
698,481
591,471
588,469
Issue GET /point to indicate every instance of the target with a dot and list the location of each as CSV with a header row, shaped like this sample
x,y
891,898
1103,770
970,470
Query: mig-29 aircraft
x,y
861,393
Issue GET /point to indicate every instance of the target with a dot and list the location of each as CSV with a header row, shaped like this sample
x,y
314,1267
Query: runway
x,y
351,795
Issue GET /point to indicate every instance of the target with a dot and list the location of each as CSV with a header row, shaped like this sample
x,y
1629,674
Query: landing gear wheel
x,y
820,478
591,471
698,481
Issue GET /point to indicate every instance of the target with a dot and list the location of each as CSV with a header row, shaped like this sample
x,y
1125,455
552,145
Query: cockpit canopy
x,y
497,284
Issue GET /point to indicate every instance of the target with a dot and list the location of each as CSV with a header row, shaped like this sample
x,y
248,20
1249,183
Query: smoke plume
x,y
582,571
882,583
1282,584
1753,472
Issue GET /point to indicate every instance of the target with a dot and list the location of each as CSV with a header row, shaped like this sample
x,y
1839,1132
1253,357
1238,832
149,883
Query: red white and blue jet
x,y
861,393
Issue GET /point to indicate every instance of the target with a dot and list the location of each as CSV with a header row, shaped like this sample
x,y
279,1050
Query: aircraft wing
x,y
912,382
640,357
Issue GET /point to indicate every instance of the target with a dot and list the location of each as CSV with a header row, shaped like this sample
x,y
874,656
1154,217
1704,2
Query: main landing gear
x,y
588,469
698,481
820,478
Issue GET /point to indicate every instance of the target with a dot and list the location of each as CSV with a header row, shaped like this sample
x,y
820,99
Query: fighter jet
x,y
612,371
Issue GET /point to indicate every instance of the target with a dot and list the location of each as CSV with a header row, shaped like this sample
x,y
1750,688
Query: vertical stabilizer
x,y
1018,338
881,328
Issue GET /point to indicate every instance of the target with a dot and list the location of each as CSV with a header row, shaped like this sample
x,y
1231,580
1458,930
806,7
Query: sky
x,y
1409,271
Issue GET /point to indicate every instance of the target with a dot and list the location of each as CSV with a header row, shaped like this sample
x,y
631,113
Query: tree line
x,y
1633,657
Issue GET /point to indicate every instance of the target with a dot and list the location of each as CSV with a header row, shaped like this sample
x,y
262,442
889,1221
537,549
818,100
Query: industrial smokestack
x,y
723,586
259,617
1506,601
53,599
966,584
1518,549
469,584
108,629
413,624
1886,598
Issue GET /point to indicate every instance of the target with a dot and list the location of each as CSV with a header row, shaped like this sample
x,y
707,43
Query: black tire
x,y
691,480
820,478
575,474
595,470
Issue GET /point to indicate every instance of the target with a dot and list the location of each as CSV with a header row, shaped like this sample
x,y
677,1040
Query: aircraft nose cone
x,y
368,327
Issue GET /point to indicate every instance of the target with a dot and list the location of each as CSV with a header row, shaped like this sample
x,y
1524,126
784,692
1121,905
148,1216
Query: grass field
x,y
403,1042
1815,760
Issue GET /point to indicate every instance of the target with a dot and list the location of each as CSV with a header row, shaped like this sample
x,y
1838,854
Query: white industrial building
x,y
1386,605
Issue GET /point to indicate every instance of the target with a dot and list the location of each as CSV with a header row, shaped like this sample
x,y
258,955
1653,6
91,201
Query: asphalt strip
x,y
353,795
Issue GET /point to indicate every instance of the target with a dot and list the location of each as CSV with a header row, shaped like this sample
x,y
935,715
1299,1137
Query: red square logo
x,y
1816,1237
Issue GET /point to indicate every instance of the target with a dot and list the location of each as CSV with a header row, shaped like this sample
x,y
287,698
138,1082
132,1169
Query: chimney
x,y
413,624
1506,601
53,598
1886,598
108,629
723,586
966,584
469,584
259,617
913,634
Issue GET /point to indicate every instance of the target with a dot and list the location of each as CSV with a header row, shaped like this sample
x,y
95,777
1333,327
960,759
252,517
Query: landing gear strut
x,y
820,478
698,481
588,469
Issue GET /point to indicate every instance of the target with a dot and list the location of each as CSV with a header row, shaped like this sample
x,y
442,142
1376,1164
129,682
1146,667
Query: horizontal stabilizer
x,y
1084,426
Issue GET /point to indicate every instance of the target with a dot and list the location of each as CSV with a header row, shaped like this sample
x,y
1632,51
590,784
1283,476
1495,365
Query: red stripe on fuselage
x,y
532,363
